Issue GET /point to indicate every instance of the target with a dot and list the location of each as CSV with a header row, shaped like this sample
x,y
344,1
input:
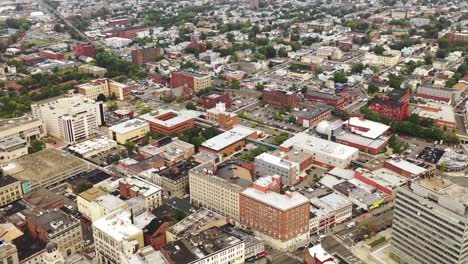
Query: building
x,y
229,141
8,253
457,37
174,180
254,4
211,100
134,186
195,81
87,50
46,168
317,255
72,118
323,152
282,220
269,164
130,130
382,179
117,42
116,235
94,70
406,167
103,205
10,190
331,53
254,248
92,147
106,87
437,95
325,98
217,191
430,222
84,199
328,211
280,98
210,246
394,104
169,122
313,117
224,120
141,56
48,54
58,227
27,129
12,148
442,114
388,58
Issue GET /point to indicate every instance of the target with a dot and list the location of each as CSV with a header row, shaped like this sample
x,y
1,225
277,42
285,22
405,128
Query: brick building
x,y
129,33
312,118
457,37
168,122
325,98
87,50
394,104
282,220
48,54
210,100
154,233
200,46
141,56
280,98
195,81
229,141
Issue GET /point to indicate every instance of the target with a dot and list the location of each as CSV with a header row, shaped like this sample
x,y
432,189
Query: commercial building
x,y
12,148
328,211
225,120
229,141
437,95
317,255
442,114
394,104
24,128
216,190
93,147
194,81
324,153
457,37
130,130
406,167
87,50
211,100
103,205
116,235
72,119
169,122
46,168
8,253
84,199
325,98
382,179
58,227
94,70
313,117
282,220
174,151
134,186
48,54
280,98
10,190
174,180
430,222
269,164
388,58
210,246
106,87
141,56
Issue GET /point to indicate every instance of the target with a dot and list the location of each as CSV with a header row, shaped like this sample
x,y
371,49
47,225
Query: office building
x,y
24,128
58,227
328,211
12,148
8,253
94,70
224,120
282,220
442,114
229,141
72,118
394,104
269,164
134,186
430,222
169,122
194,81
279,97
104,86
130,130
10,190
116,235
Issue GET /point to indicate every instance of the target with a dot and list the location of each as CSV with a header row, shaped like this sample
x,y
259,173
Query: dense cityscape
x,y
233,131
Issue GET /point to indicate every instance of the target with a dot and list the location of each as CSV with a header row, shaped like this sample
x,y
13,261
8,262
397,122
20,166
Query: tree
x,y
145,110
357,67
372,88
428,60
395,81
379,50
112,106
292,119
282,52
101,97
37,145
129,145
340,77
190,106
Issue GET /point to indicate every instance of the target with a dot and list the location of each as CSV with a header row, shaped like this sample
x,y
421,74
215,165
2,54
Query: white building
x,y
116,42
12,148
269,164
328,211
72,118
142,188
93,146
324,152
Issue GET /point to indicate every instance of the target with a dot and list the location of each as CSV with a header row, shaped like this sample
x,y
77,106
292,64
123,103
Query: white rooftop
x,y
384,177
276,200
406,166
93,144
142,186
109,202
314,144
436,112
278,161
67,106
128,126
228,138
374,129
320,254
117,225
327,204
179,117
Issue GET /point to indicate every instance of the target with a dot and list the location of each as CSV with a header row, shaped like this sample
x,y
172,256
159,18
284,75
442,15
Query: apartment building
x,y
106,87
130,130
430,222
93,70
282,220
72,119
25,128
115,235
10,190
394,104
269,164
195,81
141,56
134,186
388,58
57,226
8,253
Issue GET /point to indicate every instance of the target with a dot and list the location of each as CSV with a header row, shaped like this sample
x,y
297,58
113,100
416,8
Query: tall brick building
x,y
141,56
280,98
210,100
282,220
87,50
193,80
457,37
394,105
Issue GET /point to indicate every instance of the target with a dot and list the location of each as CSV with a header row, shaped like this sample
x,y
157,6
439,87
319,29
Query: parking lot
x,y
272,117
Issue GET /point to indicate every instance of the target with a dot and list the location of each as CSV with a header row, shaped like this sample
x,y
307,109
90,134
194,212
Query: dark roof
x,y
180,204
179,252
6,180
315,112
154,225
396,94
93,177
386,102
164,211
12,208
178,170
28,246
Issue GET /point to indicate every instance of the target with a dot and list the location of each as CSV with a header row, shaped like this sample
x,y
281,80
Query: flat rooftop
x,y
194,221
7,180
118,225
13,123
384,177
273,199
406,166
366,128
128,126
141,186
53,220
92,144
169,118
67,106
91,194
42,165
436,112
11,142
228,138
322,206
